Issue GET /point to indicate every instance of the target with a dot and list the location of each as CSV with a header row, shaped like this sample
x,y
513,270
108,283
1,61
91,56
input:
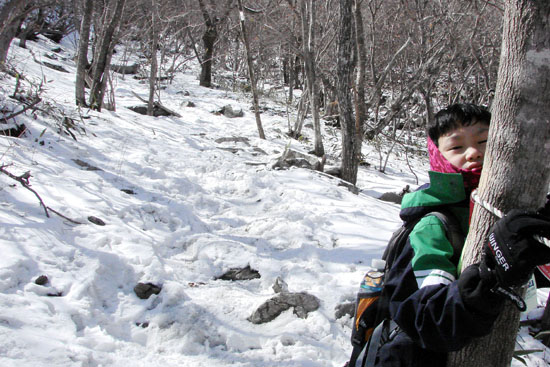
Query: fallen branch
x,y
24,181
64,217
27,107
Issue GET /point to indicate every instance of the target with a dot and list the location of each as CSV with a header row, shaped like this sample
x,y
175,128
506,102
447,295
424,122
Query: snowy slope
x,y
193,207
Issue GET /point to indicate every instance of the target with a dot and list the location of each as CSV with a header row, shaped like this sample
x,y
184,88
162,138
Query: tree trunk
x,y
12,14
344,70
82,60
291,78
208,39
308,35
251,72
154,66
516,167
100,63
360,110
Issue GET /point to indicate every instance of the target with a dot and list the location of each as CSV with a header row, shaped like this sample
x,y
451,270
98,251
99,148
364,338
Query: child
x,y
437,311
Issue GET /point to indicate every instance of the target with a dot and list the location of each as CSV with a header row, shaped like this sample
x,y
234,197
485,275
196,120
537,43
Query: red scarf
x,y
439,163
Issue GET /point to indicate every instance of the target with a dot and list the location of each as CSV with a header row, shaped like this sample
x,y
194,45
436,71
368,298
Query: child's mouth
x,y
475,167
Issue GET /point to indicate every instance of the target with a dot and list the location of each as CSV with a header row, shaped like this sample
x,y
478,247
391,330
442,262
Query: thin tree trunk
x,y
360,110
303,108
82,60
308,35
516,170
345,66
208,39
251,72
154,67
100,64
291,78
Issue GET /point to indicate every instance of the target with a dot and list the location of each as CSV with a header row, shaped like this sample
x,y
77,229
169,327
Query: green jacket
x,y
432,250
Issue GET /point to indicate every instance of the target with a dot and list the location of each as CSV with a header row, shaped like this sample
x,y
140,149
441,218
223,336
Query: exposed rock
x,y
291,158
344,309
233,139
125,69
228,111
157,111
96,220
302,302
146,290
128,191
246,273
86,165
280,285
41,280
54,66
333,171
394,197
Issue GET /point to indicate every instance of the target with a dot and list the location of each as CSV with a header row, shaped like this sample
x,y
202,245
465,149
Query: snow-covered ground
x,y
195,204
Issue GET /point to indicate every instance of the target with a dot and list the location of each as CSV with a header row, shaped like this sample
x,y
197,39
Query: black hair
x,y
455,116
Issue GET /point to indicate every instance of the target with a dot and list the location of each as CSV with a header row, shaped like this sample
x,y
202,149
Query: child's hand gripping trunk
x,y
512,252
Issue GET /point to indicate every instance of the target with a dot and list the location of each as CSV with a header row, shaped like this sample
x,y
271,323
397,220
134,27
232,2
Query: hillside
x,y
177,202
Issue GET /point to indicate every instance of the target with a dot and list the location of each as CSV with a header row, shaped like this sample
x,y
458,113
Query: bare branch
x,y
24,181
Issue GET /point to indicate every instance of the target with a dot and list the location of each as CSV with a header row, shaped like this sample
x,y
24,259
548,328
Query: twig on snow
x,y
24,181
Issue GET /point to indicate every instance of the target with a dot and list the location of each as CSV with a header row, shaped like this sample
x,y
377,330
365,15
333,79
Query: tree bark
x,y
345,66
100,63
516,167
360,107
250,63
308,35
154,63
12,14
209,39
82,60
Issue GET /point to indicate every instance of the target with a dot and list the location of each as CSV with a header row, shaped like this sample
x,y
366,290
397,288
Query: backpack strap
x,y
453,230
380,336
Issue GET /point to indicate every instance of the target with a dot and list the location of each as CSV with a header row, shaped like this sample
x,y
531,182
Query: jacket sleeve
x,y
424,297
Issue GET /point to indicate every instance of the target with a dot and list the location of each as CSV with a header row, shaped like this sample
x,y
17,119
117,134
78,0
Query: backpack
x,y
372,326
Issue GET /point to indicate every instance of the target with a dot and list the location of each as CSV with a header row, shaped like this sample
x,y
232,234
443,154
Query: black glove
x,y
511,252
545,210
474,286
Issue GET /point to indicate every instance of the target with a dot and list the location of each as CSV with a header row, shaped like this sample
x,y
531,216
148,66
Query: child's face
x,y
465,147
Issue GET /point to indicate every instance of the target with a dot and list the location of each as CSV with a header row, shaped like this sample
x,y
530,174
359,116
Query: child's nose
x,y
473,154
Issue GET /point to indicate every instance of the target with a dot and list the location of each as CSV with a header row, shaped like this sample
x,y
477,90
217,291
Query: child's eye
x,y
458,147
483,141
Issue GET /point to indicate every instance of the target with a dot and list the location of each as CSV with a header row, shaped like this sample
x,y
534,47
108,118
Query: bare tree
x,y
103,54
209,38
251,71
12,14
153,52
308,35
518,149
360,107
82,57
349,164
